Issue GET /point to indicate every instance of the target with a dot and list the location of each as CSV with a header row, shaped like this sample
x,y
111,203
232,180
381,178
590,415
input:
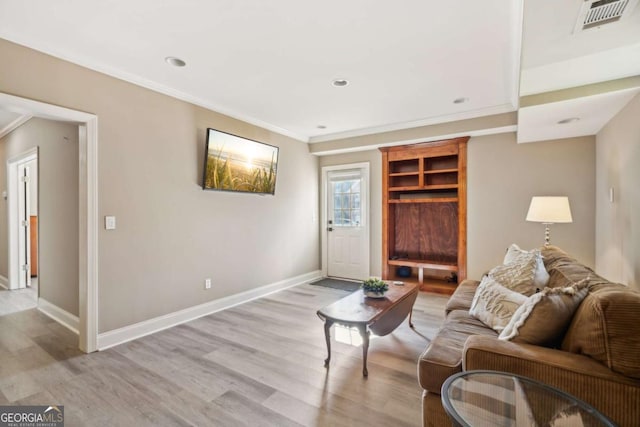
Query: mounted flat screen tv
x,y
233,163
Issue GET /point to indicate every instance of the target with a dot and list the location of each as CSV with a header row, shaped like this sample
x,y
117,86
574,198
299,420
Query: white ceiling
x,y
593,112
271,63
554,57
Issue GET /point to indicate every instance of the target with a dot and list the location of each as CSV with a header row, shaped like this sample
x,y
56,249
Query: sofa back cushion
x,y
605,328
565,270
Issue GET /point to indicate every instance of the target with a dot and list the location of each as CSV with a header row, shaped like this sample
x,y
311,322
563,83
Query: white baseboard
x,y
147,327
4,282
61,316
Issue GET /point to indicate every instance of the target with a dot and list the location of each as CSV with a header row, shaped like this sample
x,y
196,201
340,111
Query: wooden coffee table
x,y
380,315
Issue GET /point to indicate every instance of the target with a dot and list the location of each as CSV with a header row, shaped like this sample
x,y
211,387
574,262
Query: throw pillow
x,y
545,316
518,274
493,304
540,276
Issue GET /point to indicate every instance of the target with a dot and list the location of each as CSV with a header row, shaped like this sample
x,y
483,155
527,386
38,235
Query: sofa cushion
x,y
544,317
518,274
540,275
494,304
463,296
605,328
565,270
443,356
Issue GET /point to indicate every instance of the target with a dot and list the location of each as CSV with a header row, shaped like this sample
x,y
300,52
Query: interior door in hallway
x,y
347,228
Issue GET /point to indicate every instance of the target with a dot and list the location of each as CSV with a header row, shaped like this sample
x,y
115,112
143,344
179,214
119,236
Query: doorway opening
x,y
88,207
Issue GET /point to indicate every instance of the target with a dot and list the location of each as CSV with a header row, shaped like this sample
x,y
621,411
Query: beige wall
x,y
58,214
374,159
618,223
171,234
502,178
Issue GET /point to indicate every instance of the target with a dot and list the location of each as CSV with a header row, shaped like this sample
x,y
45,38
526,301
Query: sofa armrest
x,y
615,395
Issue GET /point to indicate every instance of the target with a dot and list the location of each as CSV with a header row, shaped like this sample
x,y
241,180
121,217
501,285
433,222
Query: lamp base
x,y
547,234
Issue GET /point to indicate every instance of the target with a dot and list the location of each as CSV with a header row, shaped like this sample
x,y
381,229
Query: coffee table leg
x,y
327,336
364,333
410,314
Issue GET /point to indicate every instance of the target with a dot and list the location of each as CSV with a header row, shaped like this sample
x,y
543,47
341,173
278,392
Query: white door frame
x,y
324,247
13,217
88,207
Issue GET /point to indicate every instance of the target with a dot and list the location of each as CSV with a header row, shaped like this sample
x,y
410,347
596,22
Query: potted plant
x,y
374,287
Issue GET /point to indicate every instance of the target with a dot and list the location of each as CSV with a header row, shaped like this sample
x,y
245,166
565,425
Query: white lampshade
x,y
550,210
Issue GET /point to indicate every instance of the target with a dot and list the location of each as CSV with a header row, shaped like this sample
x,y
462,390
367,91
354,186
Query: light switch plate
x,y
109,222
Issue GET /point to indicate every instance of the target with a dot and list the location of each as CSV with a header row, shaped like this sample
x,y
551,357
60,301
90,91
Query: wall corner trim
x,y
157,324
61,316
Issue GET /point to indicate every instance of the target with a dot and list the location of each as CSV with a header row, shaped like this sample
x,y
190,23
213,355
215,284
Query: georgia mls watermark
x,y
32,416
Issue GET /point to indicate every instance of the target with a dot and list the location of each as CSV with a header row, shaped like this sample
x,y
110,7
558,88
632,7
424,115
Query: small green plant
x,y
374,284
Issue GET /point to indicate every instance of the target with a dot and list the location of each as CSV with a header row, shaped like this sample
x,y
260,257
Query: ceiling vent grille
x,y
595,13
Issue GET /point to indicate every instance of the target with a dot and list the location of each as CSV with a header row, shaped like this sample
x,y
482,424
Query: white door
x,y
18,210
347,227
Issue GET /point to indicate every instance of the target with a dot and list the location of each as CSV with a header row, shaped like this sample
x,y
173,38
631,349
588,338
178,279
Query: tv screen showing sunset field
x,y
233,163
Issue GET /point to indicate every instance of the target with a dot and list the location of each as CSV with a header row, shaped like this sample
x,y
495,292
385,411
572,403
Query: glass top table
x,y
491,398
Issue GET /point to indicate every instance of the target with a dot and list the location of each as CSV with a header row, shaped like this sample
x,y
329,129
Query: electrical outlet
x,y
207,283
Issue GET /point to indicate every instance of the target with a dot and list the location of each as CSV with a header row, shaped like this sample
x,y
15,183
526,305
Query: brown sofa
x,y
597,361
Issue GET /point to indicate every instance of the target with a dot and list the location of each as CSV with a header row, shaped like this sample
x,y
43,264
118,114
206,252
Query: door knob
x,y
329,228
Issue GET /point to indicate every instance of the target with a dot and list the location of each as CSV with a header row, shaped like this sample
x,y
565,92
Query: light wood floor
x,y
258,364
19,299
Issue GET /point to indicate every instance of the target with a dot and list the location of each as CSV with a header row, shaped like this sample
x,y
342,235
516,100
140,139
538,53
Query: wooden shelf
x,y
417,263
416,173
455,170
441,187
438,286
433,285
425,187
426,200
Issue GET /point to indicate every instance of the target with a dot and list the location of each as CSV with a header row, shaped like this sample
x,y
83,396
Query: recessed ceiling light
x,y
460,100
176,62
340,82
321,127
568,120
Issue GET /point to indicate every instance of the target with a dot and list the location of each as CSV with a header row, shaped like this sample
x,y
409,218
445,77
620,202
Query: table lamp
x,y
549,210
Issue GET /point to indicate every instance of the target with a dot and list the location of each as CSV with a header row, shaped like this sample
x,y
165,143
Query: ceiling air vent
x,y
595,13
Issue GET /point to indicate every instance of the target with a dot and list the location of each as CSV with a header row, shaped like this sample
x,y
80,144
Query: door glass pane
x,y
355,201
336,201
355,216
346,202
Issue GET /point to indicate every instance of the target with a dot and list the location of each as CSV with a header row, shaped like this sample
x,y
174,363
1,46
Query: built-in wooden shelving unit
x,y
424,217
